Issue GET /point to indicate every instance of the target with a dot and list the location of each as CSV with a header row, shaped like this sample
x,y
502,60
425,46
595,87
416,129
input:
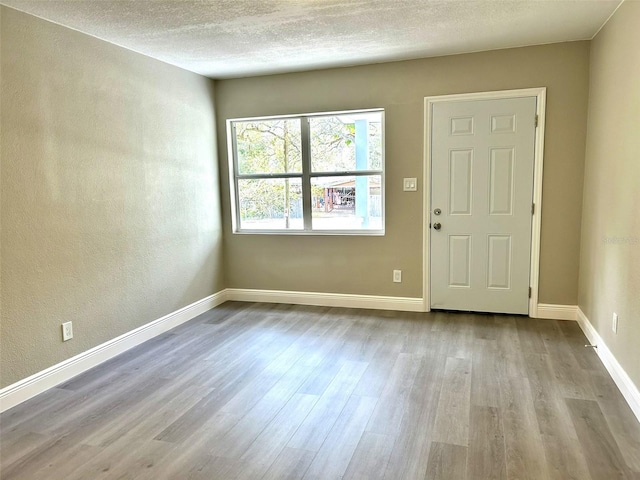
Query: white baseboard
x,y
35,384
626,386
557,312
407,304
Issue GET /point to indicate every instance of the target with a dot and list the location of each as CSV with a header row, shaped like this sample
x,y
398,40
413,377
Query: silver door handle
x,y
437,226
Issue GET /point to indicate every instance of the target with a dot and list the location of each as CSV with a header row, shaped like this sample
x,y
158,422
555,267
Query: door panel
x,y
499,261
501,181
482,181
459,260
460,171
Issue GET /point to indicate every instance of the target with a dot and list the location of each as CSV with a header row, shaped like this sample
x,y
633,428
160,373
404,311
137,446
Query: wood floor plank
x,y
144,463
236,442
374,379
601,450
322,376
51,456
485,374
452,417
416,338
460,336
298,351
447,462
525,455
360,340
325,358
565,458
530,339
148,419
392,403
50,416
291,464
272,440
411,448
571,378
509,355
213,336
586,357
319,422
440,320
194,417
14,447
94,415
620,418
334,456
370,459
486,453
224,312
485,327
244,400
205,468
18,417
256,390
233,381
193,453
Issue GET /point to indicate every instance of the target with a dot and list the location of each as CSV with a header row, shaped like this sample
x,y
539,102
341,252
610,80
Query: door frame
x,y
541,96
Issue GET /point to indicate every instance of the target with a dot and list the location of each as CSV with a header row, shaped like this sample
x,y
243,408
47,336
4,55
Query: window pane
x,y
347,142
270,204
269,146
347,203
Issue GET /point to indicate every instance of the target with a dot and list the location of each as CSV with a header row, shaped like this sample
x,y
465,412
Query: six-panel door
x,y
482,183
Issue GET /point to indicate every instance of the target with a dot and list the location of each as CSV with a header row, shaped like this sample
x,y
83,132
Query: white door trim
x,y
541,96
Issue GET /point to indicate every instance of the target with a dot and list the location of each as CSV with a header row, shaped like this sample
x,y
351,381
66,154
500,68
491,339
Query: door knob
x,y
437,226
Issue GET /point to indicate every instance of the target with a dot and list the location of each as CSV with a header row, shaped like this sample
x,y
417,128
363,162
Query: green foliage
x,y
275,146
267,198
269,146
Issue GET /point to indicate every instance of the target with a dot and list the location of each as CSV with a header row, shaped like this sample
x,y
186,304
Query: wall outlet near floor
x,y
397,276
614,323
67,331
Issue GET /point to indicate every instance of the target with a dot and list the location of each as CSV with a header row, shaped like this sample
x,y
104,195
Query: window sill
x,y
315,233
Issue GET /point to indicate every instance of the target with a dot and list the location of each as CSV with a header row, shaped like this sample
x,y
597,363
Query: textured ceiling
x,y
232,38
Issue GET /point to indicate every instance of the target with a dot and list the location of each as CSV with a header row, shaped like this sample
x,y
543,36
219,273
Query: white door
x,y
481,204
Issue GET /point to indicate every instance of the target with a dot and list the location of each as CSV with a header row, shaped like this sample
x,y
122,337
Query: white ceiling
x,y
233,38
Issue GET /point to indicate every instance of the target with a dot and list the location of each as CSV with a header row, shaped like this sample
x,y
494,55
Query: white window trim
x,y
305,177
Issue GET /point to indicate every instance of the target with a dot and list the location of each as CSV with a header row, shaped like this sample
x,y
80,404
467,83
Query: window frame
x,y
306,175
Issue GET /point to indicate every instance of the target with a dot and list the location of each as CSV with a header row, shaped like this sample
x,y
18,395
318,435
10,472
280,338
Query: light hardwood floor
x,y
257,391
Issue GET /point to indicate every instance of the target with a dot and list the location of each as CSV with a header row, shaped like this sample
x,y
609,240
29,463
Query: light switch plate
x,y
410,184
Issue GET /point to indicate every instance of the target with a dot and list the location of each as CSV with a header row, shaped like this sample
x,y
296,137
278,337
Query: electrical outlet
x,y
614,323
397,276
67,331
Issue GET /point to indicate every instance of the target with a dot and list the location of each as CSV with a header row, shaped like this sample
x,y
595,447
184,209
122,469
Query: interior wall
x,y
363,265
610,252
110,204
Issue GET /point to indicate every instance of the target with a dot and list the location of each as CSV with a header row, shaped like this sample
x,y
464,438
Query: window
x,y
316,173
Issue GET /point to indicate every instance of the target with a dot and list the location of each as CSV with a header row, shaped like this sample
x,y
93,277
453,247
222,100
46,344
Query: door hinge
x,y
529,292
533,209
536,120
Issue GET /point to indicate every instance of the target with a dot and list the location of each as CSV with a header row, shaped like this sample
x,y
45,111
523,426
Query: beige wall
x,y
610,254
110,205
363,265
